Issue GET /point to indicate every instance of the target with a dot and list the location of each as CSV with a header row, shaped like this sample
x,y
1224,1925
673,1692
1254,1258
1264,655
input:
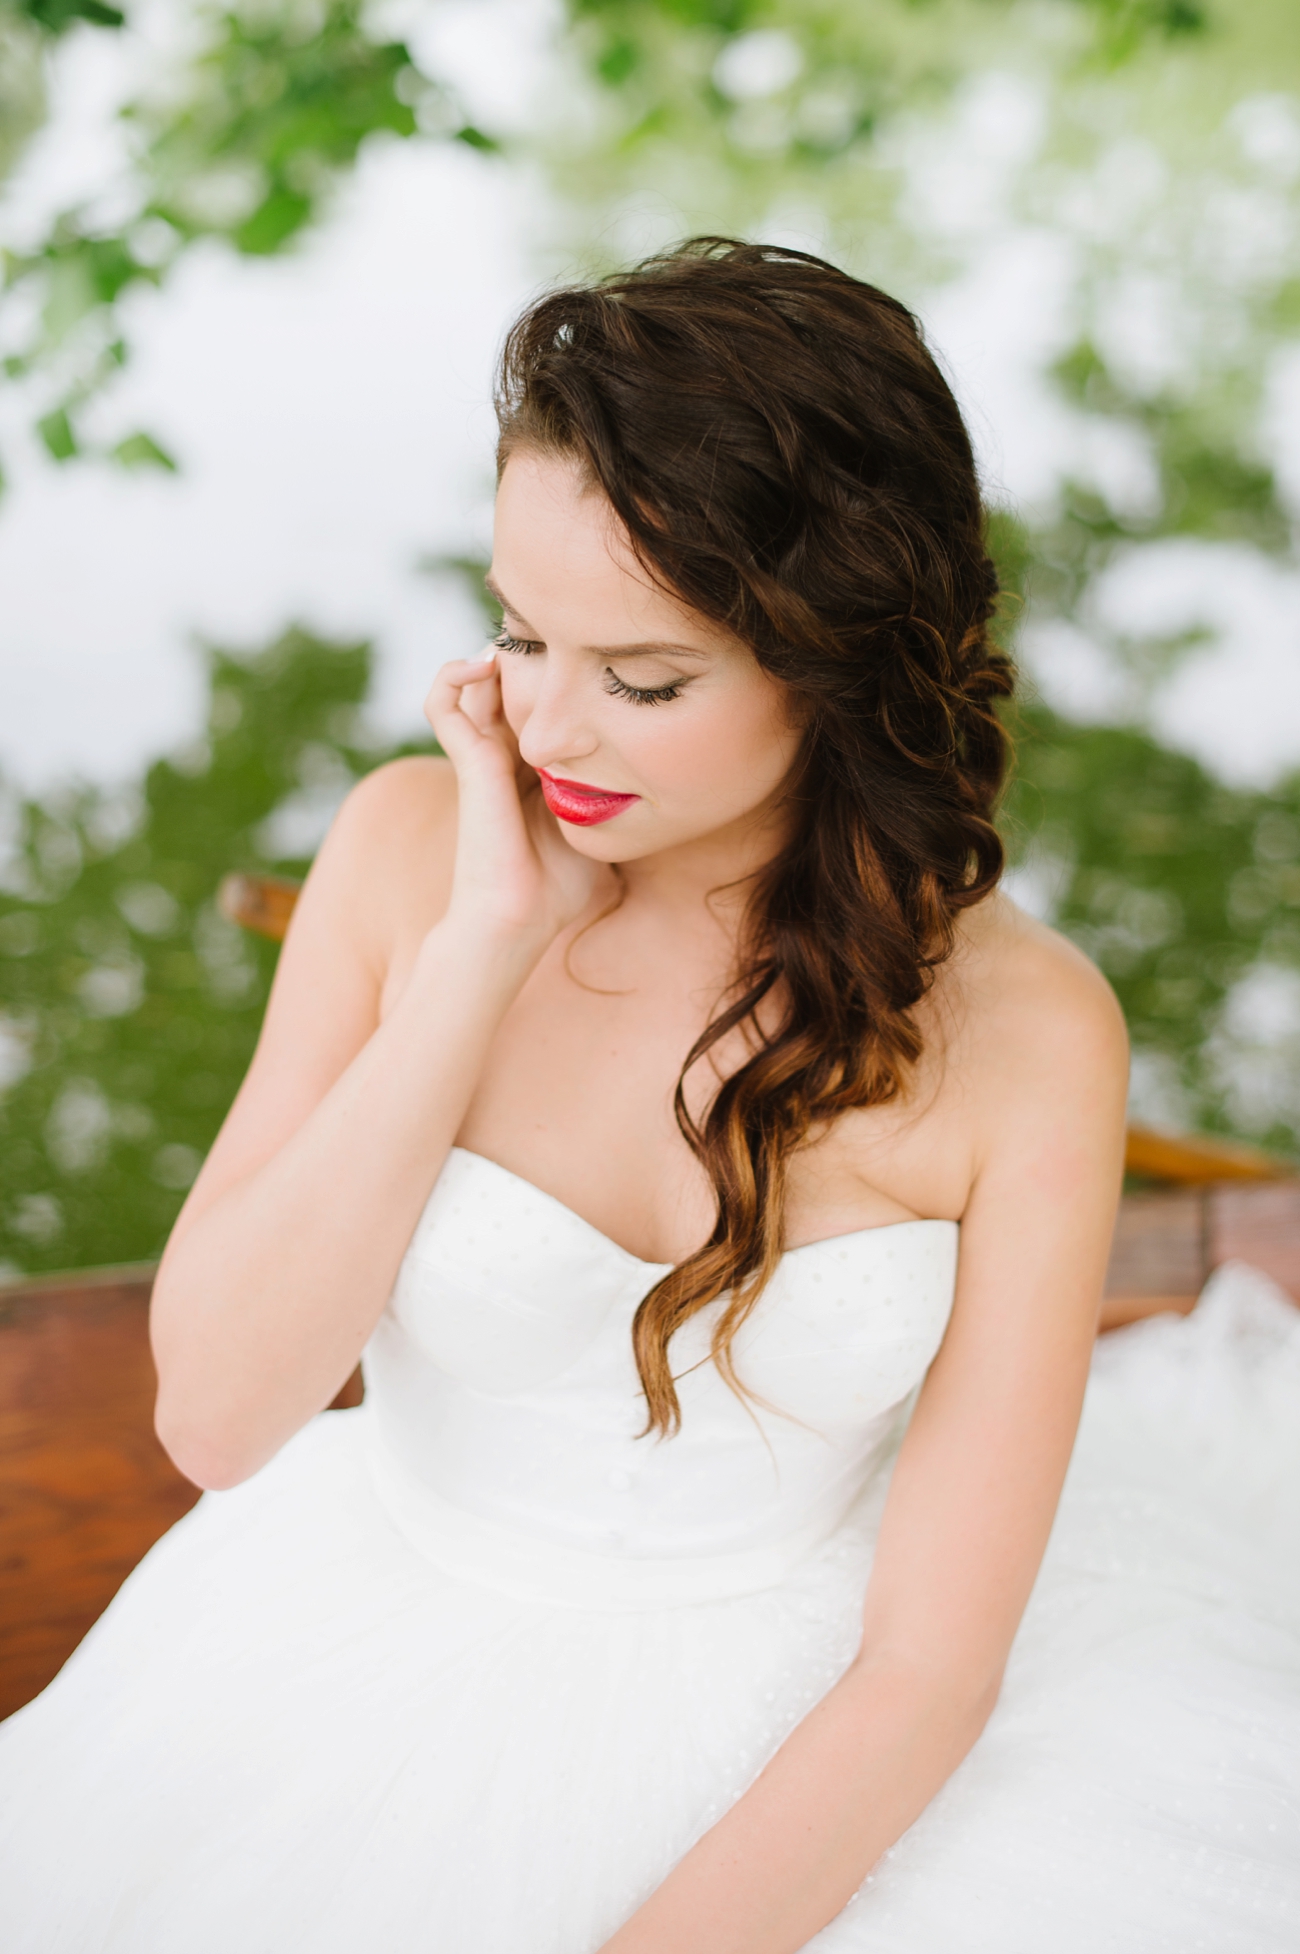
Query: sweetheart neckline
x,y
823,1241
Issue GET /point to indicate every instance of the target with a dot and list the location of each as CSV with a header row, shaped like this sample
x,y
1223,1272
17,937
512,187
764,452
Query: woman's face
x,y
650,726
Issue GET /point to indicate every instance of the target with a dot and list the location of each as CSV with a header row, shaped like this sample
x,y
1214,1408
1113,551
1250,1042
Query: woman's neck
x,y
711,875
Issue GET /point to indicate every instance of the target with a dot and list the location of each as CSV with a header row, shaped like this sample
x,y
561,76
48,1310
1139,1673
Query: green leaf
x,y
140,450
273,223
476,139
56,15
57,432
619,60
1125,26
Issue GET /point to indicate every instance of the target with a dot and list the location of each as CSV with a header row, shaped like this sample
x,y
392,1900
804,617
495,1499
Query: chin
x,y
605,843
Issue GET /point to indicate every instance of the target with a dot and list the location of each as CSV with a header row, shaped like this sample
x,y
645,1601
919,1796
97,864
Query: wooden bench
x,y
86,1489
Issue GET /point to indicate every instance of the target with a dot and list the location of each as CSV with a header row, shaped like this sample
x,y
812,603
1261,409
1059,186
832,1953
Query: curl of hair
x,y
788,460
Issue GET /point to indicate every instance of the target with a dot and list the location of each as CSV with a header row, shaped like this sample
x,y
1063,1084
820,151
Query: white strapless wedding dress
x,y
467,1670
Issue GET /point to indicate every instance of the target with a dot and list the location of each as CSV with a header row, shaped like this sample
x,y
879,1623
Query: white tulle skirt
x,y
290,1734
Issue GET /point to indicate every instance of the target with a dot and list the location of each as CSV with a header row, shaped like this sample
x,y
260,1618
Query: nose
x,y
555,727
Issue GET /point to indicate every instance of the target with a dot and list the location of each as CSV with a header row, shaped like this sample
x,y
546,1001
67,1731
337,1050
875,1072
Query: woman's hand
x,y
514,873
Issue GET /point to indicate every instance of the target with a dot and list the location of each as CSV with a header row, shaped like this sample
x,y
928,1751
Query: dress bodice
x,y
503,1392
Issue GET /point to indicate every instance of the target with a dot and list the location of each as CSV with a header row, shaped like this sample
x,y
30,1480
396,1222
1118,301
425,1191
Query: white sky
x,y
331,414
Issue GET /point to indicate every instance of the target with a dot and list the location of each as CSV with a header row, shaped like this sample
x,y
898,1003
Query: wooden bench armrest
x,y
1194,1159
261,903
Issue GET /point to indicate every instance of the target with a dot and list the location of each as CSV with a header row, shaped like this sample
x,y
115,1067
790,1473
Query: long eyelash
x,y
655,695
640,695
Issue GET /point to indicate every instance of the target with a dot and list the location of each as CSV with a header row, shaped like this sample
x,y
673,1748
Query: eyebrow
x,y
603,651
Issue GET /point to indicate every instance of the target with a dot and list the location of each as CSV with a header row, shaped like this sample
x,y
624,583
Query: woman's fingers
x,y
463,708
456,676
480,698
512,862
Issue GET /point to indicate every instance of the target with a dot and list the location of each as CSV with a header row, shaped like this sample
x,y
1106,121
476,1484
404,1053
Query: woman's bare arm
x,y
970,1506
285,1252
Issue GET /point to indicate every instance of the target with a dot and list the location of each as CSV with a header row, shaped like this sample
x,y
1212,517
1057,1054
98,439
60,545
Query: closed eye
x,y
504,642
640,695
652,695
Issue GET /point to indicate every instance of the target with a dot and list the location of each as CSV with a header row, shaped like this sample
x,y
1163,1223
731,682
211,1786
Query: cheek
x,y
519,682
732,752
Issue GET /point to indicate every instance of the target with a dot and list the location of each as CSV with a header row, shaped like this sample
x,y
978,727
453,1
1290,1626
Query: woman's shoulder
x,y
1020,1036
413,796
1029,999
385,867
394,817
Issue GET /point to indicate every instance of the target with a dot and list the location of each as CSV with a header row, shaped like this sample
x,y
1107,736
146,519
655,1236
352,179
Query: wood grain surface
x,y
261,903
85,1487
1260,1225
1198,1158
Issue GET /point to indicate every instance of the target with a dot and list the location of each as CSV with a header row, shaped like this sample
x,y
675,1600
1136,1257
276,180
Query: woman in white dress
x,y
627,1078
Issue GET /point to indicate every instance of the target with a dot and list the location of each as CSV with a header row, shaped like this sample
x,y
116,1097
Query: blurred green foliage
x,y
56,16
244,147
129,1006
1180,888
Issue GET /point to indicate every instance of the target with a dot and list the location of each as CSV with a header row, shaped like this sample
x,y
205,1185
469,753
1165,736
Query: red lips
x,y
583,806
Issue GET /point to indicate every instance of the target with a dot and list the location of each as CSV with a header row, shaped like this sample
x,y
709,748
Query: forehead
x,y
562,560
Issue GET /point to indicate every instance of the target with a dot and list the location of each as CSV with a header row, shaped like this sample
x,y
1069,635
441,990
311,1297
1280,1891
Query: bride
x,y
628,1077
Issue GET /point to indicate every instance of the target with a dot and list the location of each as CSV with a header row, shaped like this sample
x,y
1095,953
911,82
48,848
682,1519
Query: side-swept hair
x,y
789,461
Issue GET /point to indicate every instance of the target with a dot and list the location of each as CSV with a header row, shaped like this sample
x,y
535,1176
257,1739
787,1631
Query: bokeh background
x,y
257,262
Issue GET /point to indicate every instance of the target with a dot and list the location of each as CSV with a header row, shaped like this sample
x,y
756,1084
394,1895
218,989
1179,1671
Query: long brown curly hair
x,y
789,461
